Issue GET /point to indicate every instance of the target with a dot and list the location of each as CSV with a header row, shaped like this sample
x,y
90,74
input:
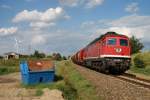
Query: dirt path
x,y
110,88
10,89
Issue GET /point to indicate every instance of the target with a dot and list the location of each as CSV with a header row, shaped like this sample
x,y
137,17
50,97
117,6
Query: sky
x,y
66,26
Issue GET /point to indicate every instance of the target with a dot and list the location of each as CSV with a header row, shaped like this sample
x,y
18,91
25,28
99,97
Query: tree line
x,y
53,56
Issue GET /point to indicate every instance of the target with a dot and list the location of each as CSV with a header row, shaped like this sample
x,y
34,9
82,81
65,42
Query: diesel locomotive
x,y
108,53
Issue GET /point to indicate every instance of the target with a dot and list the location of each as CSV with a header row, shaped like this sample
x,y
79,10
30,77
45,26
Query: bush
x,y
56,56
139,61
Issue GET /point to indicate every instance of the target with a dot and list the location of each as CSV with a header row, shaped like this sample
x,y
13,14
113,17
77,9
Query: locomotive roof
x,y
104,35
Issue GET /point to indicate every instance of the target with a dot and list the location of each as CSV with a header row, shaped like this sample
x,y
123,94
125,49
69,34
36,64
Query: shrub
x,y
139,61
3,70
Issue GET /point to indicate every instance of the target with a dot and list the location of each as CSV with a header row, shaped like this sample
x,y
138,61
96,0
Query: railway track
x,y
131,78
134,79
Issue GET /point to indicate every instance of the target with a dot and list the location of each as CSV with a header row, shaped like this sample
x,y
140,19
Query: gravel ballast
x,y
111,88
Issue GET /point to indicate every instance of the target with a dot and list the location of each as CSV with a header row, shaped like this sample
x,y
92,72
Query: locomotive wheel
x,y
113,70
116,70
102,67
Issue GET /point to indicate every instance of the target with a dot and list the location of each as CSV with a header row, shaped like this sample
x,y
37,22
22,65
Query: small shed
x,y
11,55
37,71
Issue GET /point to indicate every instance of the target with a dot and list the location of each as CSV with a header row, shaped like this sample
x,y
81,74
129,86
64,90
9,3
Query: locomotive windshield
x,y
123,42
111,41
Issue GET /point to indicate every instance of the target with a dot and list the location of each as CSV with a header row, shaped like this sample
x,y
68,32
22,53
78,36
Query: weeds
x,y
39,92
84,90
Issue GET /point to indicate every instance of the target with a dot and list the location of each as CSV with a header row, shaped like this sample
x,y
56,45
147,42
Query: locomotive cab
x,y
116,47
116,52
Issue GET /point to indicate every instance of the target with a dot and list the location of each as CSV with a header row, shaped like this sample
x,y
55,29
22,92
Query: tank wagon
x,y
108,53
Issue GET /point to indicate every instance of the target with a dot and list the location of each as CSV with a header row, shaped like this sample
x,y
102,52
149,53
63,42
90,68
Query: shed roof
x,y
11,53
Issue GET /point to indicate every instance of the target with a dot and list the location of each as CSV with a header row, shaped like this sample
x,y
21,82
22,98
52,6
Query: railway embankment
x,y
112,88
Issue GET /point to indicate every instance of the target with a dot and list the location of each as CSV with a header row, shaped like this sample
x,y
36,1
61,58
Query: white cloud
x,y
84,3
133,25
8,31
5,6
132,8
136,25
59,40
87,24
41,19
93,3
41,24
131,21
27,16
71,3
38,40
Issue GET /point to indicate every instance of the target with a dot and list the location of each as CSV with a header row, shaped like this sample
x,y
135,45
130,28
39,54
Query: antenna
x,y
17,44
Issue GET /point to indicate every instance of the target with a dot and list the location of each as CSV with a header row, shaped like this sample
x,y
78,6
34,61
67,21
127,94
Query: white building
x,y
11,55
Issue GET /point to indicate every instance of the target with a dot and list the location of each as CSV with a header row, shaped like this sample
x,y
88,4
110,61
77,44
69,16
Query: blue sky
x,y
65,26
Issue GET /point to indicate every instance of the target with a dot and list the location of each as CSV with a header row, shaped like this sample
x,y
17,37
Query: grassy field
x,y
145,56
9,66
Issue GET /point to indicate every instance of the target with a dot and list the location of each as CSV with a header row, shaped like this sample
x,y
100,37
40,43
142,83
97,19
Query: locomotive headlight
x,y
118,50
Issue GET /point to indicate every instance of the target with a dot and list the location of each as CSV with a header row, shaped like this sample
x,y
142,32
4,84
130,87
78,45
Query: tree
x,y
38,55
64,58
42,55
56,56
1,57
136,45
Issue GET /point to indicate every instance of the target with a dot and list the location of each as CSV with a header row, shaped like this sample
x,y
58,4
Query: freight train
x,y
109,53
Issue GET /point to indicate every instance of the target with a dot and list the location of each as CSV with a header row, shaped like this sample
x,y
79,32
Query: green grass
x,y
146,59
9,66
10,62
39,92
8,69
85,91
145,71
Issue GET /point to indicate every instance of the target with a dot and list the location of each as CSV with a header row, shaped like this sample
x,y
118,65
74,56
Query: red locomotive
x,y
108,53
